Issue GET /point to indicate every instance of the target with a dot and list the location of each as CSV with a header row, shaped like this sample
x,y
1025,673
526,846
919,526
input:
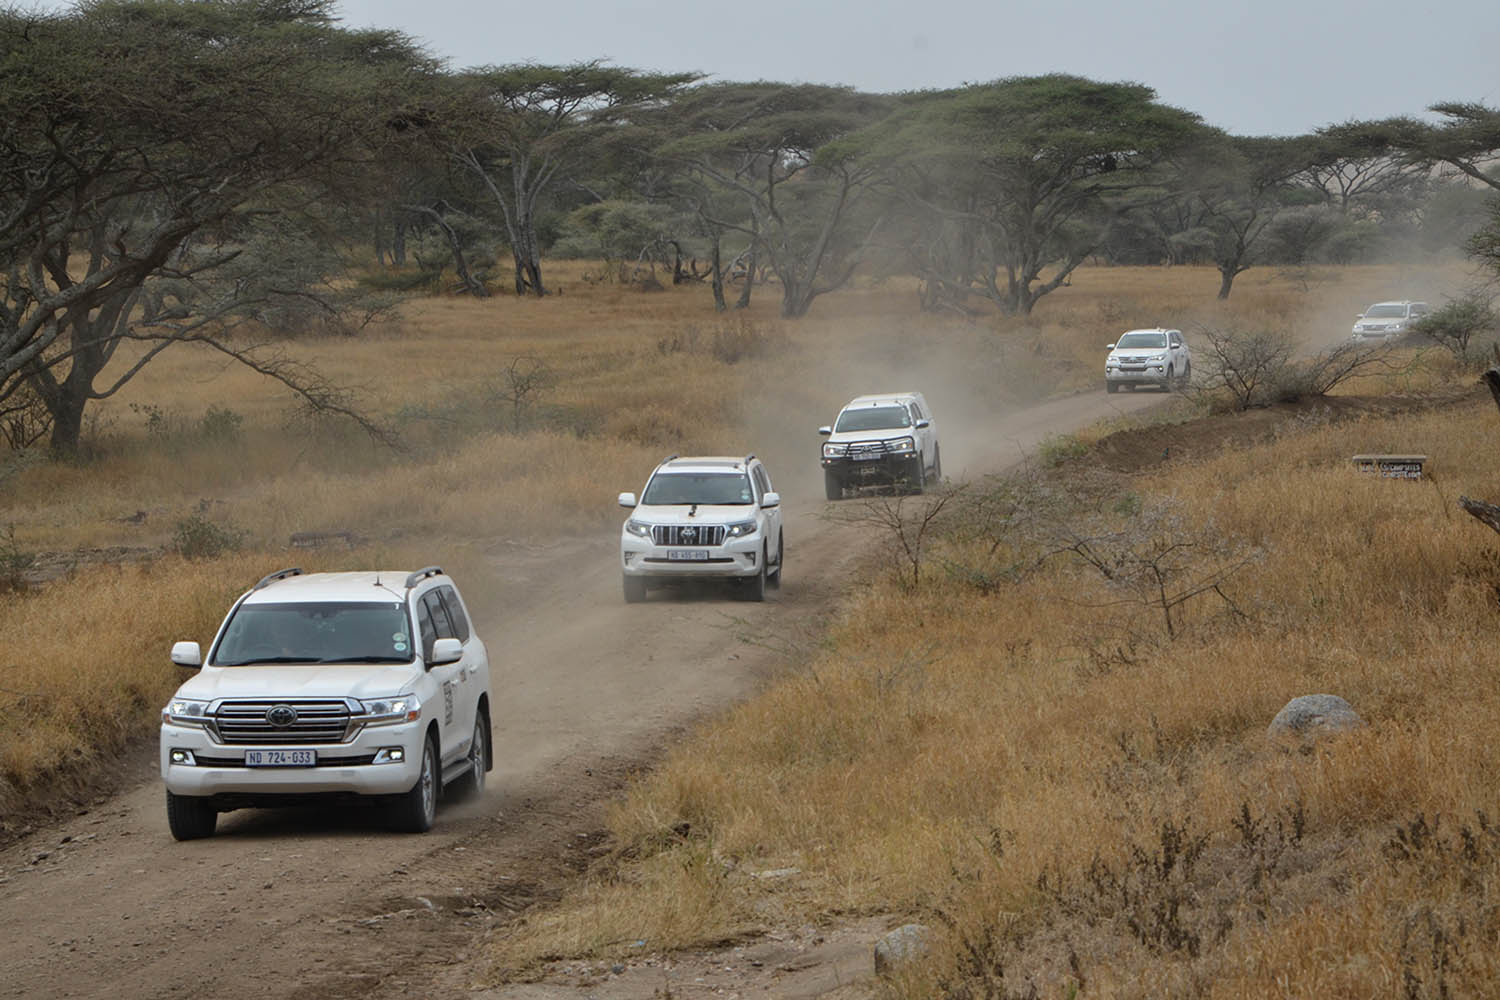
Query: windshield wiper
x,y
270,659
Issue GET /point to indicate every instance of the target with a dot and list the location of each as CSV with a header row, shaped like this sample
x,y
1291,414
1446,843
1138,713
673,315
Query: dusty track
x,y
315,904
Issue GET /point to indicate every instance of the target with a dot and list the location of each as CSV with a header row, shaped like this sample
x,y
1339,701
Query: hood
x,y
705,513
280,680
878,434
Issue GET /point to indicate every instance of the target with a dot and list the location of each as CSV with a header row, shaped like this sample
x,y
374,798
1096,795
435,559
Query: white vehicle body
x,y
329,684
703,518
1388,320
879,439
1156,357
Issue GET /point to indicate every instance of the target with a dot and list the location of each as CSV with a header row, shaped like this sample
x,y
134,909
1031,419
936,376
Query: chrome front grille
x,y
687,534
266,722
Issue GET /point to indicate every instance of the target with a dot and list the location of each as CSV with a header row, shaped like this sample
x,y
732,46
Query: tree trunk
x,y
717,279
1226,280
744,299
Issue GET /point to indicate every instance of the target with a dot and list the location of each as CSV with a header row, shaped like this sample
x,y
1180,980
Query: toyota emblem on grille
x,y
281,716
690,533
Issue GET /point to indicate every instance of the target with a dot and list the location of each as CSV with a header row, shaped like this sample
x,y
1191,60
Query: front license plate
x,y
281,758
687,555
867,456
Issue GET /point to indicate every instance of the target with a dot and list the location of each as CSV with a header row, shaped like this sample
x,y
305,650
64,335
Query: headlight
x,y
183,712
638,528
902,444
740,529
388,711
832,450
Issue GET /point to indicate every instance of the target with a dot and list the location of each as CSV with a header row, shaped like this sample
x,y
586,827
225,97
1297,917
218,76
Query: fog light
x,y
184,757
390,755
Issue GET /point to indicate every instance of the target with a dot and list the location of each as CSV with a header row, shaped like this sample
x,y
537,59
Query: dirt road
x,y
312,904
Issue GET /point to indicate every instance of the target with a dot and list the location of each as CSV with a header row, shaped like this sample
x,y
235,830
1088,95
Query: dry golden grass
x,y
990,761
948,747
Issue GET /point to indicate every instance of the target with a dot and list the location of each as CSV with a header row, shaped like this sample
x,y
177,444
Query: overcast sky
x,y
1253,67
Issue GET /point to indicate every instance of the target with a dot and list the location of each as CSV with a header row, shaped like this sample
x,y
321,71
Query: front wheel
x,y
1171,385
937,464
1111,387
1187,372
635,589
833,489
416,809
191,817
755,586
916,479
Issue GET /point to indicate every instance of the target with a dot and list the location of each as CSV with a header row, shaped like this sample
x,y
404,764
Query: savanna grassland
x,y
1066,778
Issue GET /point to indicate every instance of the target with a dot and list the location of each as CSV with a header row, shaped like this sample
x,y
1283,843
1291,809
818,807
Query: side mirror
x,y
187,654
825,431
772,499
1109,347
445,651
923,423
627,500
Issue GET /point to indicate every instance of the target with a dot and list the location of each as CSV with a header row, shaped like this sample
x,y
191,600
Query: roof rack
x,y
670,458
280,574
415,578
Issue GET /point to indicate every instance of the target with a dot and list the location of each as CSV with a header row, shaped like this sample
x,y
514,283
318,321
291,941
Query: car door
x,y
926,437
1177,351
474,678
762,481
446,679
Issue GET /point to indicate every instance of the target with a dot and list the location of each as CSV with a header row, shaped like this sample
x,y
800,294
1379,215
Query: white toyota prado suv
x,y
368,684
883,439
702,518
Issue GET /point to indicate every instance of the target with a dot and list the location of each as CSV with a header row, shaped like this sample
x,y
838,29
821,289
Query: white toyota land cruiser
x,y
884,439
365,684
701,518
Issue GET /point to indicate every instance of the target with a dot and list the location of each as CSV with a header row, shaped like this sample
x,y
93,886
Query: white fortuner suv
x,y
1148,357
886,438
1387,320
703,517
326,684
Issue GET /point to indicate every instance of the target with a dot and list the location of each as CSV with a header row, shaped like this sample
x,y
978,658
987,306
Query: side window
x,y
1176,339
455,609
441,623
426,629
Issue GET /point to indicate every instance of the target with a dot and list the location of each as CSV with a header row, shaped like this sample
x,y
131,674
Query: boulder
x,y
1314,715
901,945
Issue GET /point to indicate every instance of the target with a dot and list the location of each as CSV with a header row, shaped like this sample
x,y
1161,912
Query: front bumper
x,y
359,767
735,558
1146,375
885,469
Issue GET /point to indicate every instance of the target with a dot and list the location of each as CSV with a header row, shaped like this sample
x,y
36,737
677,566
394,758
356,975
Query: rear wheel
x,y
832,488
635,589
471,785
191,817
416,809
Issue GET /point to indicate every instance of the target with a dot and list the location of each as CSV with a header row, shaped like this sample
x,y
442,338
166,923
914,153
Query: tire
x,y
635,589
1111,387
1171,385
1187,372
191,817
917,482
937,464
471,785
416,809
833,489
755,586
774,581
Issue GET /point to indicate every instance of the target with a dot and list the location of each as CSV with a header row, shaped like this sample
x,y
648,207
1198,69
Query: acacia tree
x,y
770,150
1023,176
518,129
141,144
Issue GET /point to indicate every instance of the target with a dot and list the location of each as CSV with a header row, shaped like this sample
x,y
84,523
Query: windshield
x,y
668,488
873,418
1385,310
316,633
1139,340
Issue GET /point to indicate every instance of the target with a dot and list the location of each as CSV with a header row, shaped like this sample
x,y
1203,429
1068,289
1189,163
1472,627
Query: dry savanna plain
x,y
1030,717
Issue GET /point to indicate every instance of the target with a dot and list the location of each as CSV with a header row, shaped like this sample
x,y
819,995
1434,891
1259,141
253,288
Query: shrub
x,y
196,537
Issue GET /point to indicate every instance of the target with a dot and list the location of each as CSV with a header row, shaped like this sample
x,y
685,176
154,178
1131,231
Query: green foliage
x,y
196,537
1459,326
1056,449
